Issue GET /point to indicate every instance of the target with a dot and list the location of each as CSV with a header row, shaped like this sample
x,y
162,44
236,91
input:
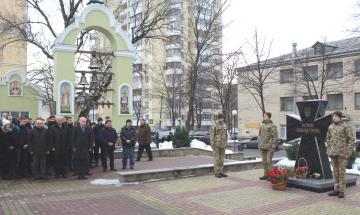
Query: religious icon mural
x,y
65,98
15,88
124,100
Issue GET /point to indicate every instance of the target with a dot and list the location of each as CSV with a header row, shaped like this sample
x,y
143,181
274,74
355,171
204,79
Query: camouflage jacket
x,y
218,135
268,136
340,140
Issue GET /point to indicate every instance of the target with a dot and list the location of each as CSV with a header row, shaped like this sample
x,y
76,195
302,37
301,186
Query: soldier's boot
x,y
341,195
223,175
334,193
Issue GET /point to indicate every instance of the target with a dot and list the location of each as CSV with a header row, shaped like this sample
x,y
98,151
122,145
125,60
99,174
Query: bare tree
x,y
205,31
255,77
324,77
140,74
225,82
148,18
170,87
38,30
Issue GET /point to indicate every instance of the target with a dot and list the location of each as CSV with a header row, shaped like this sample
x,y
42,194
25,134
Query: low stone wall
x,y
179,172
182,152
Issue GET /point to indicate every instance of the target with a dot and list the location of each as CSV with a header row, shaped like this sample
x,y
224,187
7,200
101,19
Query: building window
x,y
287,103
334,70
283,132
286,75
335,101
357,100
311,73
357,67
217,106
206,117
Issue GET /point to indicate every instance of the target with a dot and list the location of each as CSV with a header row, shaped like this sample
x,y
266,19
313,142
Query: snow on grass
x,y
355,168
200,145
105,182
291,163
166,145
285,163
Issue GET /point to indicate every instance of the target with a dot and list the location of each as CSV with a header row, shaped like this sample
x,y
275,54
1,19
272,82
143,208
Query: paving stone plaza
x,y
240,193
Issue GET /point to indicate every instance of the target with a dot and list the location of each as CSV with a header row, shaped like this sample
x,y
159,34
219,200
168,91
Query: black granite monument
x,y
311,126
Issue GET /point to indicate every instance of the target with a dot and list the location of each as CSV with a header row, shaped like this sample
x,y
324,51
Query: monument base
x,y
318,185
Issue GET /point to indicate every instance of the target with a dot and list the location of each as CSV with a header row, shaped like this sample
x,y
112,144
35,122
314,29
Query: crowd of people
x,y
58,147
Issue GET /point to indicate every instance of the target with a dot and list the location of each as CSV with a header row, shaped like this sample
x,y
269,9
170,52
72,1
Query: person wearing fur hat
x,y
340,146
7,150
268,136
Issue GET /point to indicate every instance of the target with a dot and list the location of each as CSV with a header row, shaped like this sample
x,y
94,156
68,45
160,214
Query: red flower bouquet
x,y
278,178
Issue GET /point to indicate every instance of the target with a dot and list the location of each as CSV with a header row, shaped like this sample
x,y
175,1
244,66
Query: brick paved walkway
x,y
240,193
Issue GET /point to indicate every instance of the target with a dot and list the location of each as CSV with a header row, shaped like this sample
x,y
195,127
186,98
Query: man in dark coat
x,y
59,140
69,153
97,129
108,137
83,138
39,147
144,134
7,150
22,149
50,158
128,140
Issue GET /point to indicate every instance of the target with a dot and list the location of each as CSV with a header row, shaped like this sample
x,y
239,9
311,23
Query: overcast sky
x,y
288,21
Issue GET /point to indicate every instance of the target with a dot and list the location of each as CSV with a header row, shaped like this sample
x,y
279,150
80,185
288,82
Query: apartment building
x,y
328,71
162,66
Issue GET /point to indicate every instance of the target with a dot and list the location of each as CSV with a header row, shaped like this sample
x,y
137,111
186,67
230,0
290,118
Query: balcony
x,y
173,59
173,71
173,32
173,46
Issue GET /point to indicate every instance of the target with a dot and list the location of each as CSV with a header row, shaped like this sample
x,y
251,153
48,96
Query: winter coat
x,y
128,133
340,140
7,140
218,135
82,142
268,136
97,129
38,141
144,134
108,135
23,137
59,139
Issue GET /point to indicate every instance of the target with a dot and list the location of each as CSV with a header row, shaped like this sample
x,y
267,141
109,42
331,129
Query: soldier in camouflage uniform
x,y
268,136
218,140
340,146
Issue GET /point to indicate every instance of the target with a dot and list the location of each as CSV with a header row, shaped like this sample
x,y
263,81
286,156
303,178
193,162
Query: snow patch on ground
x,y
355,168
105,182
200,145
291,163
166,145
285,163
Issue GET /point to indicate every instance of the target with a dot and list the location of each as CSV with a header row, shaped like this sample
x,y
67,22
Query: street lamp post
x,y
234,113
